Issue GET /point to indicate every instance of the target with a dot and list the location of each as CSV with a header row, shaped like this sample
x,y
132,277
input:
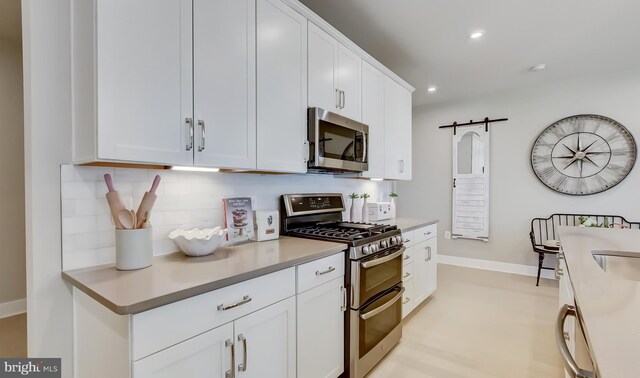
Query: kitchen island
x,y
608,304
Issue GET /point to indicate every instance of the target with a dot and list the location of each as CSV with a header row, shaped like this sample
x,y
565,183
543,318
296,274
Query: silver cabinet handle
x,y
382,260
407,257
569,363
428,253
400,166
427,233
246,299
203,130
406,241
230,373
189,122
406,275
337,98
243,365
385,306
343,290
406,300
343,101
329,270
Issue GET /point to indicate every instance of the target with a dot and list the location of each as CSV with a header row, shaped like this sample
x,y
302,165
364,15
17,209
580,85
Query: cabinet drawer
x,y
408,302
168,325
407,272
408,256
407,239
425,233
320,271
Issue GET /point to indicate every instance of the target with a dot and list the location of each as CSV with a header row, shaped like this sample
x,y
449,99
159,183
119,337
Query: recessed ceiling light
x,y
477,34
539,67
432,89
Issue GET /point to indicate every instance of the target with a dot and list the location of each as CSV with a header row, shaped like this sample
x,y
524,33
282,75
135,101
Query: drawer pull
x,y
406,300
427,233
407,257
230,373
246,299
406,275
319,273
406,241
243,365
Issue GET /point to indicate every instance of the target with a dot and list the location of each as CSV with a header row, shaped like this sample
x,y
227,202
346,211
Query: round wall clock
x,y
583,154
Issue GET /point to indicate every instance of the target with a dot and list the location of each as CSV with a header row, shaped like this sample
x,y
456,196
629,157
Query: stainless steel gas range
x,y
373,278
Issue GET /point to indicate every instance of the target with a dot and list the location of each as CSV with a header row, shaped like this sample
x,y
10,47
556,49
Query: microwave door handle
x,y
364,147
374,312
382,260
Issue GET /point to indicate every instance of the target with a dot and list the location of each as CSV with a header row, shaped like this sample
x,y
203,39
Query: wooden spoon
x,y
127,218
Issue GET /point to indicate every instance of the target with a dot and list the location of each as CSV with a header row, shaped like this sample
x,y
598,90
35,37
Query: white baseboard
x,y
13,308
525,270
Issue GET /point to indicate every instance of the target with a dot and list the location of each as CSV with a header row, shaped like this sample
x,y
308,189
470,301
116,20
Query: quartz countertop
x,y
608,305
408,224
175,276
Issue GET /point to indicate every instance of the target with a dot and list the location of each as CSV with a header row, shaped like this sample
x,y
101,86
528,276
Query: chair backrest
x,y
543,229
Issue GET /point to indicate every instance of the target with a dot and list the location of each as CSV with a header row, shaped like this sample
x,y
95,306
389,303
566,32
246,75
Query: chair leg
x,y
540,260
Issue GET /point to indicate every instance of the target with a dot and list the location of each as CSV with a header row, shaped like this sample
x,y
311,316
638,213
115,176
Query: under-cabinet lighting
x,y
194,169
477,34
376,179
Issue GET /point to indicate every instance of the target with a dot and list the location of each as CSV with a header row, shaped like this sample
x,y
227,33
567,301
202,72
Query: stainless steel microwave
x,y
336,143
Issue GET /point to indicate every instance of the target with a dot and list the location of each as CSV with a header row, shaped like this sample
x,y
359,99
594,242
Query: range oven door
x,y
336,142
374,275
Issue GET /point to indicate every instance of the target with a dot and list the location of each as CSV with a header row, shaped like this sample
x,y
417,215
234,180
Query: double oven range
x,y
373,274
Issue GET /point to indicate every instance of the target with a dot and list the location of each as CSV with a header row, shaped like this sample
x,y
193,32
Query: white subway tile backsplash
x,y
185,199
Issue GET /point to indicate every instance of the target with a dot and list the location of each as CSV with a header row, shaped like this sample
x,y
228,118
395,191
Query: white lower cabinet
x,y
204,356
321,331
265,342
420,272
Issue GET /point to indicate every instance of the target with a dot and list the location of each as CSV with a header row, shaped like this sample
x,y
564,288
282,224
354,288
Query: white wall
x,y
185,200
516,194
47,108
12,258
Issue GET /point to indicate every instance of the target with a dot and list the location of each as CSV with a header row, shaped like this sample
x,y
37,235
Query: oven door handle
x,y
372,313
382,260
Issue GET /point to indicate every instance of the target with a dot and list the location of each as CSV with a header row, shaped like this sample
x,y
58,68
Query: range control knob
x,y
399,239
374,248
393,241
384,244
366,250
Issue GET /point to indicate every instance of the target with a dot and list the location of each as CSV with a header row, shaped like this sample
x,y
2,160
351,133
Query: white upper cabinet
x,y
143,66
397,131
281,88
373,116
334,75
224,83
349,78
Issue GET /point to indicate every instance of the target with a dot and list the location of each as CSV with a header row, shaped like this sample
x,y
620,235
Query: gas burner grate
x,y
342,231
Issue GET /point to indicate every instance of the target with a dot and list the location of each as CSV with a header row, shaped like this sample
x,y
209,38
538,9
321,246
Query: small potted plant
x,y
365,210
393,204
352,210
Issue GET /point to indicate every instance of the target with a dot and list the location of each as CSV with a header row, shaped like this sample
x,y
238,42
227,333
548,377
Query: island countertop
x,y
175,276
608,305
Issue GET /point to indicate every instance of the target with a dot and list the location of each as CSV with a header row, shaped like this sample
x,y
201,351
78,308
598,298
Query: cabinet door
x,y
349,79
373,116
224,83
144,80
281,87
321,331
266,342
397,131
431,266
421,271
205,356
323,81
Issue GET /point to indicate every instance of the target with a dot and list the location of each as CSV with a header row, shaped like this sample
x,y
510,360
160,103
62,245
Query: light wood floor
x,y
13,336
479,324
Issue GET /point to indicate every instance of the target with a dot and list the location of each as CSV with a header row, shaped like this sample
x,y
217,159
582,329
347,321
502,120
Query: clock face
x,y
583,154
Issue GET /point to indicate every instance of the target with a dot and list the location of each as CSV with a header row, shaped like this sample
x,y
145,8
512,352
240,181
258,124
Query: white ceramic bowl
x,y
197,242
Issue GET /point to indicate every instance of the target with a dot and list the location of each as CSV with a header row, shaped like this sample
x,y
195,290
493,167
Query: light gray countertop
x,y
175,276
609,305
408,224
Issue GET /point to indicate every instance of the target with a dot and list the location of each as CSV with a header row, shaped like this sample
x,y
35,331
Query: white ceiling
x,y
10,20
427,42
